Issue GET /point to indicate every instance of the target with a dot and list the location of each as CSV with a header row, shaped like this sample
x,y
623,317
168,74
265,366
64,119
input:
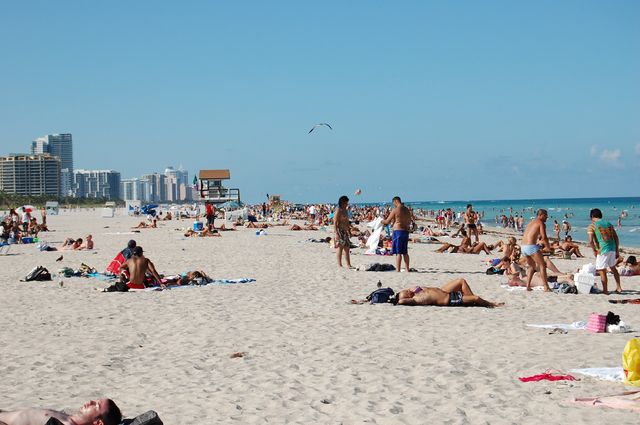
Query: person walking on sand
x,y
400,216
603,239
342,231
536,230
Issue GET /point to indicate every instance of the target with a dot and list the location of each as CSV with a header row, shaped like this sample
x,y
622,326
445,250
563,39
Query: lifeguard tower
x,y
211,187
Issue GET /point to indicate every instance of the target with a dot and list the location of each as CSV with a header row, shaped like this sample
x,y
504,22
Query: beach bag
x,y
597,323
631,362
39,273
380,296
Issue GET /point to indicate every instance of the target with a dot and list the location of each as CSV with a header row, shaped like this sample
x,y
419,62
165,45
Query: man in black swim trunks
x,y
455,293
471,220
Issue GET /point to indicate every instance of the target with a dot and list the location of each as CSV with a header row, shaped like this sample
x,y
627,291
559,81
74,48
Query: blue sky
x,y
430,100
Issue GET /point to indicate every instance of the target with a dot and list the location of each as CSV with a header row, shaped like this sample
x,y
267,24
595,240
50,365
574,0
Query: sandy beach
x,y
310,356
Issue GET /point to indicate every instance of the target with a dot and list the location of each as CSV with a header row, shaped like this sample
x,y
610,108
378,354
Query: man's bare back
x,y
138,265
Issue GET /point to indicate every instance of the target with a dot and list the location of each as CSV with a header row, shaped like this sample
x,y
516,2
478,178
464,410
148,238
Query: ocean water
x,y
575,211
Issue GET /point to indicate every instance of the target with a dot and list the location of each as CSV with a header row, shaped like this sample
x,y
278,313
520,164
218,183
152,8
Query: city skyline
x,y
497,100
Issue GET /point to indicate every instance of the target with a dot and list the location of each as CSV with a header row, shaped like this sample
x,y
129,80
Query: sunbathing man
x,y
137,267
631,267
569,248
455,293
295,227
94,412
536,230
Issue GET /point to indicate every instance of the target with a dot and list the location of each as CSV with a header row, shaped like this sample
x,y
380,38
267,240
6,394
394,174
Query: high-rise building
x,y
156,187
60,145
35,174
177,184
134,190
96,184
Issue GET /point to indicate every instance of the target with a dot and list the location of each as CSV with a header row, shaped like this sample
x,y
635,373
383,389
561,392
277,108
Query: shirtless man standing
x,y
400,216
138,265
94,412
471,219
531,250
455,293
342,230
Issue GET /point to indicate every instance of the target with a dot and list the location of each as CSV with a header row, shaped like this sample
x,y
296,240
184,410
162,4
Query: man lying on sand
x,y
295,227
455,293
94,412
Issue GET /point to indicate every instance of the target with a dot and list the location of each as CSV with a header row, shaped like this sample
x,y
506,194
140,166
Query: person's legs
x,y
603,279
398,262
542,268
474,300
339,255
530,271
475,232
406,261
347,256
616,277
549,265
457,285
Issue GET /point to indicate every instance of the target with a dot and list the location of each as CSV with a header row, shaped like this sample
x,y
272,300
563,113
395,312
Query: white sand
x,y
170,351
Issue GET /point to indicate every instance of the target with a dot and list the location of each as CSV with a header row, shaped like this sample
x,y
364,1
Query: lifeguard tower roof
x,y
214,175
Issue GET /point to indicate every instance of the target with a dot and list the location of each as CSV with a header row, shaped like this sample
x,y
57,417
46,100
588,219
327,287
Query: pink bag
x,y
597,323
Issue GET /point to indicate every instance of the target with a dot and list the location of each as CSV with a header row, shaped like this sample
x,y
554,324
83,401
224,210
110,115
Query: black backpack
x,y
39,274
380,296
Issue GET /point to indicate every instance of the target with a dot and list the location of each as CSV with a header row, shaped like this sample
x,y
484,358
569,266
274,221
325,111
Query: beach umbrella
x,y
318,125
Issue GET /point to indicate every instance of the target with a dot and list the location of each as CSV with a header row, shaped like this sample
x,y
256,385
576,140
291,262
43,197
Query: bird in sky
x,y
318,125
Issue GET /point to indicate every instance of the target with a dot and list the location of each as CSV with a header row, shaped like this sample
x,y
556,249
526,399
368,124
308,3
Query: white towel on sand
x,y
615,374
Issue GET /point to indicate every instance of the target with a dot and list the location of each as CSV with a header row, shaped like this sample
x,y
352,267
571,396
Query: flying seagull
x,y
318,125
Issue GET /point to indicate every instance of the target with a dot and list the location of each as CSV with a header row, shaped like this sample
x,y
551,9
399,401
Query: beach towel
x,y
613,374
211,282
629,400
581,325
374,239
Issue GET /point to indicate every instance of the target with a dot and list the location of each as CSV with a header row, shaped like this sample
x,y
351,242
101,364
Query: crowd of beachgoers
x,y
525,256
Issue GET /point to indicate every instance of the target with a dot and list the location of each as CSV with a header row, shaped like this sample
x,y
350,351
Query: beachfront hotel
x,y
96,184
60,145
24,174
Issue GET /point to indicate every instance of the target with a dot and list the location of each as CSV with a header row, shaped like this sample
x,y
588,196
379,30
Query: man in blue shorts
x,y
400,216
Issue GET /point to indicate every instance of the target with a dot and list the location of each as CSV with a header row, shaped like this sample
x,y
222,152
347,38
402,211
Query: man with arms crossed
x,y
400,216
94,412
603,239
343,232
531,250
